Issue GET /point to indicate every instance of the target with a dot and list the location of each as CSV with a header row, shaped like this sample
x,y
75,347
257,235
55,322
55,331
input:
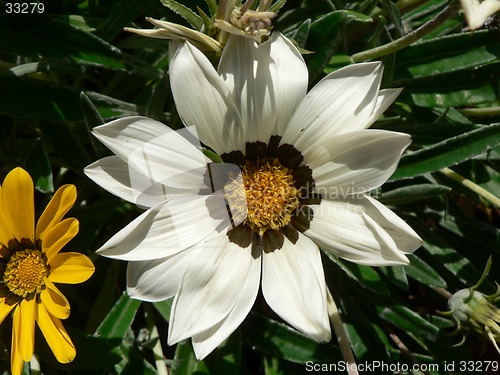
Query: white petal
x,y
268,81
211,287
356,162
345,230
290,78
179,223
384,100
341,102
294,286
113,175
403,235
158,279
205,342
203,101
158,152
476,13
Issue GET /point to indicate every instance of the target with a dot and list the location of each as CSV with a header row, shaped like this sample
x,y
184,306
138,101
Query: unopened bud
x,y
475,311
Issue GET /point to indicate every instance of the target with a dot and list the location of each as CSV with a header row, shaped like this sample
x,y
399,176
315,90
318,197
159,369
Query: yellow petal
x,y
18,203
70,268
4,309
54,301
57,237
56,336
16,364
6,233
59,205
23,327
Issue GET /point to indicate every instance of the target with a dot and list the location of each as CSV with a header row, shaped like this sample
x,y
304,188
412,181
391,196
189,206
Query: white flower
x,y
477,12
295,175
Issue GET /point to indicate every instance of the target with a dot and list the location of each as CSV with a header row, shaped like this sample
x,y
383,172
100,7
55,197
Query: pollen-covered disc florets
x,y
266,193
23,271
268,199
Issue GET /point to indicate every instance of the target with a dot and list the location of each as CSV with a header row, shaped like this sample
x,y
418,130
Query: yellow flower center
x,y
266,197
25,272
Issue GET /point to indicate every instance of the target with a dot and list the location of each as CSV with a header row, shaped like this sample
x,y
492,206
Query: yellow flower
x,y
30,264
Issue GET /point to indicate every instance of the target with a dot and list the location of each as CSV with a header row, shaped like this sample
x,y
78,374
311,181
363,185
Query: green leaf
x,y
133,360
91,352
277,6
212,6
424,11
453,261
282,341
425,134
358,17
396,275
207,21
273,366
164,307
119,319
449,53
480,234
212,155
92,119
413,193
21,97
448,152
301,34
38,166
442,254
321,42
423,272
368,341
186,13
111,107
393,12
475,92
226,359
81,22
58,40
410,322
366,276
336,62
103,301
25,97
124,12
66,144
184,360
156,103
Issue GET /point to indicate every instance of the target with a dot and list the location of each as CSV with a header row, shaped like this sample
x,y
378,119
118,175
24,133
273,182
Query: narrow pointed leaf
x,y
448,152
119,319
186,13
413,193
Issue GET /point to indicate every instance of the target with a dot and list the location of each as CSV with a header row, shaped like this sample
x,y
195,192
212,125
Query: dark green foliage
x,y
71,68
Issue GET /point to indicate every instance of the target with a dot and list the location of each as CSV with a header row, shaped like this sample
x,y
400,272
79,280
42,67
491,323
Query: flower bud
x,y
475,311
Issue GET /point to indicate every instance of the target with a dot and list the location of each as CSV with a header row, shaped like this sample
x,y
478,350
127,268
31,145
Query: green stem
x,y
443,292
471,186
331,5
157,350
341,333
489,111
410,38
